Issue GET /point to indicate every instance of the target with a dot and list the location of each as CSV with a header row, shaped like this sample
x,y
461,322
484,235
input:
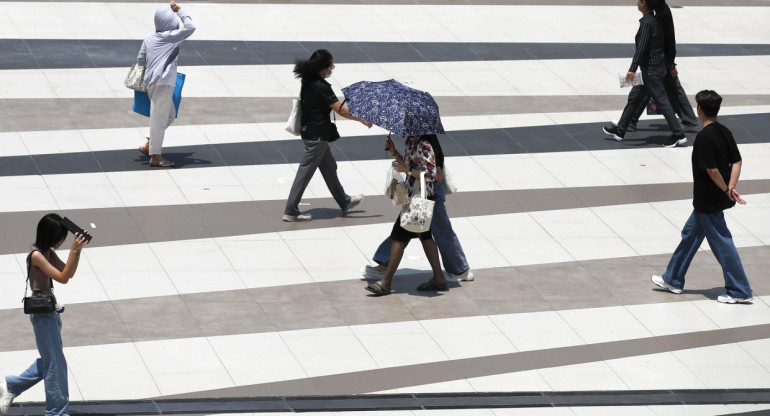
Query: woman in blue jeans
x,y
452,254
44,266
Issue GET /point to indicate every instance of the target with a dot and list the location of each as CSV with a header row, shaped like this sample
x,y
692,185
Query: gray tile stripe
x,y
19,115
135,225
102,53
420,401
750,128
677,3
362,382
504,290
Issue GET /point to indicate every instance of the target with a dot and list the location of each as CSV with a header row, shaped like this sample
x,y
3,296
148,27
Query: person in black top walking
x,y
318,100
676,94
716,166
650,58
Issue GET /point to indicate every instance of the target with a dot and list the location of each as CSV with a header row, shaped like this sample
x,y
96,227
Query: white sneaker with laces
x,y
664,285
725,298
465,276
354,201
374,271
6,398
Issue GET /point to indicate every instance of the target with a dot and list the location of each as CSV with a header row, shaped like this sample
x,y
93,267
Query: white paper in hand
x,y
626,83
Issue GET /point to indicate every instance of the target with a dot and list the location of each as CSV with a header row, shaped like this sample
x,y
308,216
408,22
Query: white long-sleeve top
x,y
160,49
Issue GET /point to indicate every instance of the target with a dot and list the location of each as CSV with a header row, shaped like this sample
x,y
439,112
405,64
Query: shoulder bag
x,y
418,213
135,78
38,302
294,124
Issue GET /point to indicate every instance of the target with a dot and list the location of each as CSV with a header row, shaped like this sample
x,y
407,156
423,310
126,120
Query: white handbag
x,y
418,213
135,78
449,185
294,124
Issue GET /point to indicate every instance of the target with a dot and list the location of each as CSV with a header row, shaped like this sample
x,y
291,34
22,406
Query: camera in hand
x,y
74,229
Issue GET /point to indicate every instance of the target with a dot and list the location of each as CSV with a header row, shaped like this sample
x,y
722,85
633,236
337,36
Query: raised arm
x,y
188,27
60,272
342,109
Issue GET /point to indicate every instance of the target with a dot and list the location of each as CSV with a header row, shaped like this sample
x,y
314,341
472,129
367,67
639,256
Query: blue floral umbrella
x,y
395,107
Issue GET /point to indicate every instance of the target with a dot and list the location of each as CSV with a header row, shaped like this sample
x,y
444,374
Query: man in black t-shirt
x,y
716,166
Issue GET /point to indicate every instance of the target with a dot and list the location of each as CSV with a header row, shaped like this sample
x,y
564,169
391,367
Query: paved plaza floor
x,y
193,288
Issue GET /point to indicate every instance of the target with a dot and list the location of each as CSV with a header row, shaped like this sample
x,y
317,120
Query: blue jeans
x,y
452,254
714,229
50,367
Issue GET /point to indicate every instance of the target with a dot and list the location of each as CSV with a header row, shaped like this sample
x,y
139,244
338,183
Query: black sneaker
x,y
675,140
614,132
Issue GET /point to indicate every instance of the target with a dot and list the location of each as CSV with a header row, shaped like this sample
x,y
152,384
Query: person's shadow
x,y
331,213
407,283
711,294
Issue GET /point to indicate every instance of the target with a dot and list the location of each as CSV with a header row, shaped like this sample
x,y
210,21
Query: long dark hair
x,y
307,69
49,232
434,143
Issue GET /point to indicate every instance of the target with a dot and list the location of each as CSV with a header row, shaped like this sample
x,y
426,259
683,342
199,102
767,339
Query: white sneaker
x,y
297,218
729,299
6,398
465,276
664,285
354,201
374,271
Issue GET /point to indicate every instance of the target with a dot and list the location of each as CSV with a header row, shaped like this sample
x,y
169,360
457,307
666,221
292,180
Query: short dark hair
x,y
709,101
49,232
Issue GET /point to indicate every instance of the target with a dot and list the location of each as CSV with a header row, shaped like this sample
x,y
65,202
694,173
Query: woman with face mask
x,y
159,53
318,100
44,266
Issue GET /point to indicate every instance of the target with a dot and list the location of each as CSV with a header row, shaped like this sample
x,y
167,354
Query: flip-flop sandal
x,y
163,164
378,288
432,285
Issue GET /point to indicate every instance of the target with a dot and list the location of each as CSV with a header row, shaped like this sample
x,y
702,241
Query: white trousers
x,y
162,114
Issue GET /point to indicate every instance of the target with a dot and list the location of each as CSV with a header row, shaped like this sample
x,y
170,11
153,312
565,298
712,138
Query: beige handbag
x,y
294,124
135,78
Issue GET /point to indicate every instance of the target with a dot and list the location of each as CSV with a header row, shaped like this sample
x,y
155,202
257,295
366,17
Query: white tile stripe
x,y
575,77
286,258
396,23
73,141
272,182
155,368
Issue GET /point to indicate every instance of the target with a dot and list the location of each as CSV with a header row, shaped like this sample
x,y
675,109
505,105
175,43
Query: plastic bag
x,y
395,187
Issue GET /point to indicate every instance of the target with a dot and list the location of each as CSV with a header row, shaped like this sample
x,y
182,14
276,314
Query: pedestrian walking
x,y
676,94
452,254
44,267
159,54
317,102
716,167
419,159
649,57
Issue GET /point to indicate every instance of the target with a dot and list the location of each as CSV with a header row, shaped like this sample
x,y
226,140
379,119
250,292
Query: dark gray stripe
x,y
97,53
136,225
362,382
750,128
18,115
420,401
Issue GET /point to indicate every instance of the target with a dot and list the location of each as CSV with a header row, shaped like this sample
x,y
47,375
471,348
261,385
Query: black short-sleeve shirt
x,y
714,147
317,96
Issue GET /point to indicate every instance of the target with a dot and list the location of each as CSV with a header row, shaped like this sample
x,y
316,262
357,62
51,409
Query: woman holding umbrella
x,y
318,99
419,157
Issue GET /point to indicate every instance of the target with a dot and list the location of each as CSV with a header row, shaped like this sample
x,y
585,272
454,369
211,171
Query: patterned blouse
x,y
419,155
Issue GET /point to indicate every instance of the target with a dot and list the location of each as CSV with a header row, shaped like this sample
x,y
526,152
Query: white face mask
x,y
329,74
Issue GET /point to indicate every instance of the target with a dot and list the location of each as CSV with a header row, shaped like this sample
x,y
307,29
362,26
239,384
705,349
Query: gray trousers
x,y
678,99
640,94
317,155
162,114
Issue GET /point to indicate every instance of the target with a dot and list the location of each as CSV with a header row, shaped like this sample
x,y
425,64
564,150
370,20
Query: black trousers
x,y
640,94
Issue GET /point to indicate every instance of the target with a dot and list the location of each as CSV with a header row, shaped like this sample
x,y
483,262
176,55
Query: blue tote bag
x,y
142,100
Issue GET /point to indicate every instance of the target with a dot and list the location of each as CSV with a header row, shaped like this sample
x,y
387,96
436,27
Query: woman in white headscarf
x,y
159,55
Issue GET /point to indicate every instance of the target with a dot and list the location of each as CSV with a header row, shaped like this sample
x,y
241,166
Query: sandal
x,y
378,288
146,151
432,285
163,164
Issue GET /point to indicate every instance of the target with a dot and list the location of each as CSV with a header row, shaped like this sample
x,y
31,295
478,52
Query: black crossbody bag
x,y
38,302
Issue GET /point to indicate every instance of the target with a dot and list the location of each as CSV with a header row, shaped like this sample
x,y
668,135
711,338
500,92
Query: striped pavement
x,y
194,289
